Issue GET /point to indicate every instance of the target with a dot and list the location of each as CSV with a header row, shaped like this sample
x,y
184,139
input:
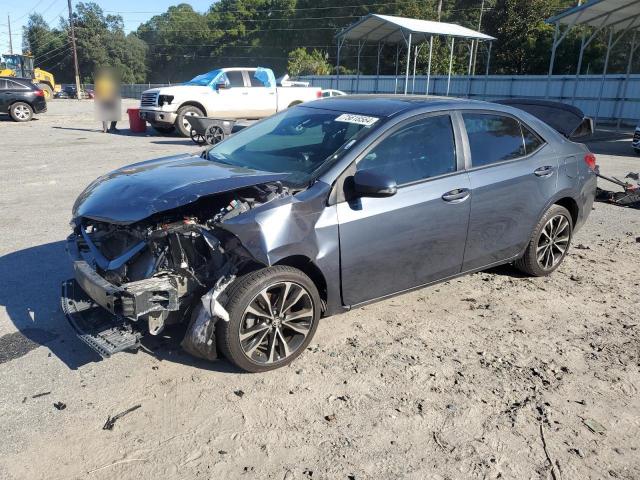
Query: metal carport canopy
x,y
616,14
389,29
384,29
618,17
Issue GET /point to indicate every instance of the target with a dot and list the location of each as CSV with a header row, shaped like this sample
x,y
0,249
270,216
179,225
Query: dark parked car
x,y
319,209
20,98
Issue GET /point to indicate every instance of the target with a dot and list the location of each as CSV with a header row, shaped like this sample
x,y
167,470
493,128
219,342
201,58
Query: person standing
x,y
108,99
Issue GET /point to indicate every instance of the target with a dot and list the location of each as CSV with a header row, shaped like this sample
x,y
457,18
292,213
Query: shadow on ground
x,y
30,288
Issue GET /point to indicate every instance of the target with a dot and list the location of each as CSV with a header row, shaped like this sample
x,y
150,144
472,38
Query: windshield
x,y
299,141
204,79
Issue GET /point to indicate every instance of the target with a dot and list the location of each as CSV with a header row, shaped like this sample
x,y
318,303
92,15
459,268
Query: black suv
x,y
20,98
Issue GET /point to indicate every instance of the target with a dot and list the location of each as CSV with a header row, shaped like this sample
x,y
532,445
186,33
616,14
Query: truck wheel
x,y
48,92
163,130
273,315
21,112
182,126
549,243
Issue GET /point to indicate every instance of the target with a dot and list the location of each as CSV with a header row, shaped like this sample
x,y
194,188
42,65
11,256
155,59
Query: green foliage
x,y
302,62
299,36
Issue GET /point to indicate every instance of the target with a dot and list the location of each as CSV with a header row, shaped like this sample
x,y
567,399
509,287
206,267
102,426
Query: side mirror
x,y
367,183
221,86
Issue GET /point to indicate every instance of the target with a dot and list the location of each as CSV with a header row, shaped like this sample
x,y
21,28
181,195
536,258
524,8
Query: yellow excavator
x,y
16,65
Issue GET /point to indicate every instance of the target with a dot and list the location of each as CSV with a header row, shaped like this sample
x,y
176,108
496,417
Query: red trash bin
x,y
136,124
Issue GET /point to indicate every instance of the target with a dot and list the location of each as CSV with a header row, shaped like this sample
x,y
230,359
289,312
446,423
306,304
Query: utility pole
x,y
10,39
477,42
75,53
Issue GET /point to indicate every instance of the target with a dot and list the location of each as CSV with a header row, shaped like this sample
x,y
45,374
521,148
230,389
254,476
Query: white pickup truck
x,y
232,93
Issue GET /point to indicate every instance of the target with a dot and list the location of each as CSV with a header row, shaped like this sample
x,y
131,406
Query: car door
x,y
513,174
418,235
232,100
4,95
262,98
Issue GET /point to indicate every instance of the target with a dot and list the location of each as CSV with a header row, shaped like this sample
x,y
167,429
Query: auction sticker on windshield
x,y
359,119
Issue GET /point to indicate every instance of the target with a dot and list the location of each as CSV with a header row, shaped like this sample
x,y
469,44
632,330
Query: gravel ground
x,y
493,375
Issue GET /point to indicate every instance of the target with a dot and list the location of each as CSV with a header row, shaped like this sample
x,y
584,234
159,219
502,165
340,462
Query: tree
x,y
301,62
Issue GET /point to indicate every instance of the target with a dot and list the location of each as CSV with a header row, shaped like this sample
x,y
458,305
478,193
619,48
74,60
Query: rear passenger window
x,y
532,142
254,81
235,78
422,149
493,138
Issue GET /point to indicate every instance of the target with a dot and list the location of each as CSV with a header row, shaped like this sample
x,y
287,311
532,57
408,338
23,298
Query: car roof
x,y
389,105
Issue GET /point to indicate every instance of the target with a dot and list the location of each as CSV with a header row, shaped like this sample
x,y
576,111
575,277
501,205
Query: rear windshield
x,y
300,141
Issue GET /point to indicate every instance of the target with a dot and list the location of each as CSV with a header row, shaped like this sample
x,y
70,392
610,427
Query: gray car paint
x,y
378,247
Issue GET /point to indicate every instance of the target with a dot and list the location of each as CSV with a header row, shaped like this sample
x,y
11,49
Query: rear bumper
x,y
158,117
39,105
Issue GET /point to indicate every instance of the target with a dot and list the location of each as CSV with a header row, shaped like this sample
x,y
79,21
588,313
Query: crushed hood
x,y
135,192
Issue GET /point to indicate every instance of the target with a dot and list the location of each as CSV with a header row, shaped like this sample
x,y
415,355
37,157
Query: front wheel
x,y
549,243
273,315
182,125
21,112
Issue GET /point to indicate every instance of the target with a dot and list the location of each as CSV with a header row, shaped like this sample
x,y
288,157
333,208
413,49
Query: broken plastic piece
x,y
200,337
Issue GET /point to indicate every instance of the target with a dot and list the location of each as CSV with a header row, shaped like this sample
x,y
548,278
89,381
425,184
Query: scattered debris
x,y
594,426
575,278
577,452
111,421
60,405
37,395
239,393
330,418
630,197
581,246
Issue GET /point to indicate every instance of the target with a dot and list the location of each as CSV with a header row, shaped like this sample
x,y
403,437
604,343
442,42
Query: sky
x,y
134,12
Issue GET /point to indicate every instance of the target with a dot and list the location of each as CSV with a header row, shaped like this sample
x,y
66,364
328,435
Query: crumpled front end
x,y
137,278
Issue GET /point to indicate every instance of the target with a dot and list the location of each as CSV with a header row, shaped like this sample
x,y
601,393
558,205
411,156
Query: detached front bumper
x,y
158,116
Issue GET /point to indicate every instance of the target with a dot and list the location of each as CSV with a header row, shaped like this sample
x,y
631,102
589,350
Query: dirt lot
x,y
494,375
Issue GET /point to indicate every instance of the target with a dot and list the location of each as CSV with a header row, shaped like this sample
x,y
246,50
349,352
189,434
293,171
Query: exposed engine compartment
x,y
162,265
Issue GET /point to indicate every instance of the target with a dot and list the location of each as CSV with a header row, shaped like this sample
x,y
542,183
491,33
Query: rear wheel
x,y
273,315
182,125
21,112
549,243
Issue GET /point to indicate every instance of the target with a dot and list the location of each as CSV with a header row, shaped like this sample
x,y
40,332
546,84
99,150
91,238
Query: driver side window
x,y
422,149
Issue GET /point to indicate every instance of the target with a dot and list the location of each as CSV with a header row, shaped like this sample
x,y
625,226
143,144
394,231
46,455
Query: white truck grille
x,y
149,100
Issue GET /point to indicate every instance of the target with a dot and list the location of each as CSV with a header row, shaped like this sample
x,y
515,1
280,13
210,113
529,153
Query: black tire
x,y
241,294
21,112
530,262
48,91
162,130
181,128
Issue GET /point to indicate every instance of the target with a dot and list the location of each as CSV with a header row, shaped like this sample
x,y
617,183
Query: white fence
x,y
619,99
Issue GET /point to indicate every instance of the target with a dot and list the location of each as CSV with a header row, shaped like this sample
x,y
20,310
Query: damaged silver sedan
x,y
313,211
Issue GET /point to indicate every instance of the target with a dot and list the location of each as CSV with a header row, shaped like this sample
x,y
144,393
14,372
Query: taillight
x,y
39,93
319,94
590,160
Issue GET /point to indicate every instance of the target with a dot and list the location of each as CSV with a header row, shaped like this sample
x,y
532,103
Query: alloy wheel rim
x,y
553,242
22,112
214,135
276,323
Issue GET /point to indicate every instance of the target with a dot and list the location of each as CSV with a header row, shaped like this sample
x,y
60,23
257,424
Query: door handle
x,y
456,196
245,93
545,171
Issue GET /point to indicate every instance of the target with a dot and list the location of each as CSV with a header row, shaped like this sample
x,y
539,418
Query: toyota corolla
x,y
314,211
